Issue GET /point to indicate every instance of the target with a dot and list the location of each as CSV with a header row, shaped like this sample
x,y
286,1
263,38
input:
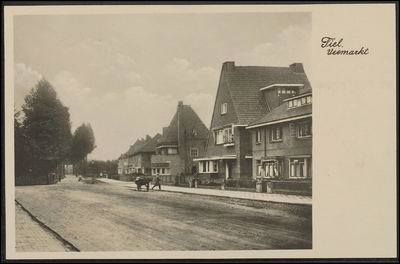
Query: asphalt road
x,y
107,217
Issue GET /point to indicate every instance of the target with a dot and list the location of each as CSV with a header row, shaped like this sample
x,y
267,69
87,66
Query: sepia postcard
x,y
200,131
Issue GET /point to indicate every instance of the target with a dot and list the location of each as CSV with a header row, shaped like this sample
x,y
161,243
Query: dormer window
x,y
224,108
299,101
287,90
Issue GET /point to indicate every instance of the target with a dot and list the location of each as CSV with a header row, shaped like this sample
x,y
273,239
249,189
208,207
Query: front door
x,y
194,169
228,169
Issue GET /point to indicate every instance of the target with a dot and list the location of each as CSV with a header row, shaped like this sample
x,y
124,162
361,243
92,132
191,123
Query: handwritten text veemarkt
x,y
332,45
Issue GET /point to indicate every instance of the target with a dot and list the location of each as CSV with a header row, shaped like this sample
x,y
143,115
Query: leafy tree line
x,y
42,134
95,167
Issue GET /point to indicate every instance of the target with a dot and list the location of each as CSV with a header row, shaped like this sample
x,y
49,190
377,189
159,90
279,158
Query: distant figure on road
x,y
157,182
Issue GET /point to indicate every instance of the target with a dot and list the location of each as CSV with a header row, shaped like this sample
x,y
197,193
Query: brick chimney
x,y
180,104
229,66
297,67
148,138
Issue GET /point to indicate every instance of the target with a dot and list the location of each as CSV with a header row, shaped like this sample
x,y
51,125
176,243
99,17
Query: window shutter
x,y
292,130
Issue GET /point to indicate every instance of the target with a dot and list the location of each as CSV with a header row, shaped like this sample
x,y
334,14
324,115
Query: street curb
x,y
225,196
66,243
240,198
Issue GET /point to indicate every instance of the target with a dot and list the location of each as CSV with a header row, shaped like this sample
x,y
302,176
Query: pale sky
x,y
124,74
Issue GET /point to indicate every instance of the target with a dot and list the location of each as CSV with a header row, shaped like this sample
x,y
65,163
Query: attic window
x,y
224,108
299,101
287,90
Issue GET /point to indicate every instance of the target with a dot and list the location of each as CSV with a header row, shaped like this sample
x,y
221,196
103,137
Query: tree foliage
x,y
83,142
22,146
45,132
100,166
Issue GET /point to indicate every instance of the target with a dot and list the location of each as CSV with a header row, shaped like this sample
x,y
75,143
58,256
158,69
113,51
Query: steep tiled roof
x,y
188,122
283,112
150,146
244,83
138,144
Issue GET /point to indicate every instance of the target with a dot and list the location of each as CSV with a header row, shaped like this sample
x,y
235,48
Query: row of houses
x,y
171,153
261,128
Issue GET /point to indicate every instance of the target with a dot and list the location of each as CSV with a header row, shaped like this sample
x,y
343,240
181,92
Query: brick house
x,y
282,145
245,94
140,160
182,141
123,161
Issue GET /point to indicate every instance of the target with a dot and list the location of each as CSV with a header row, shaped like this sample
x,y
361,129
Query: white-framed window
x,y
276,133
299,167
284,90
227,135
273,169
304,129
161,171
218,137
300,130
194,152
223,136
172,151
260,168
292,130
208,166
299,101
258,136
224,108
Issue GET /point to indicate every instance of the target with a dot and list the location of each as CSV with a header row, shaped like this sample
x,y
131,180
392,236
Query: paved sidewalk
x,y
267,197
31,237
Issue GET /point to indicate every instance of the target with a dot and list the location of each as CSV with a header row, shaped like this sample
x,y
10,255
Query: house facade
x,y
125,162
282,145
140,160
245,94
182,141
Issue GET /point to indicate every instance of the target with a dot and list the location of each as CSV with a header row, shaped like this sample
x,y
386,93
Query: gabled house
x,y
139,161
282,145
123,160
182,141
245,94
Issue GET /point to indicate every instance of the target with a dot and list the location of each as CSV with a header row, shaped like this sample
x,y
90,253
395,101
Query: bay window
x,y
273,169
299,167
208,166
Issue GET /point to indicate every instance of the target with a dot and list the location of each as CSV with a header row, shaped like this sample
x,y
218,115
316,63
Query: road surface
x,y
108,217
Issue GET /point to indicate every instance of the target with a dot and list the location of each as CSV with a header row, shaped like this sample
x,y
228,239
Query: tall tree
x,y
83,143
47,126
22,146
